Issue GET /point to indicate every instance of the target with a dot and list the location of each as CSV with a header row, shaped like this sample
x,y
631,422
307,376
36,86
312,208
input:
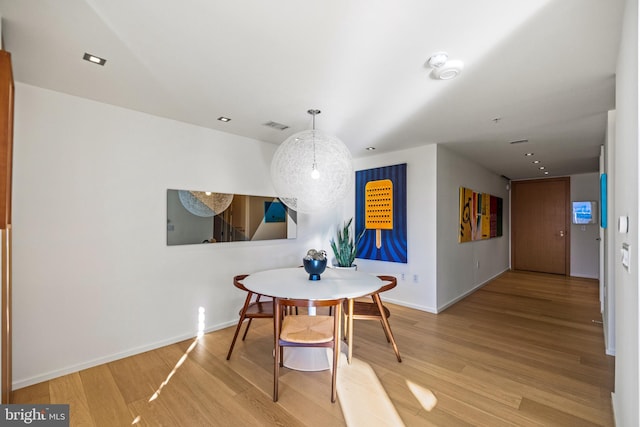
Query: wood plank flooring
x,y
521,351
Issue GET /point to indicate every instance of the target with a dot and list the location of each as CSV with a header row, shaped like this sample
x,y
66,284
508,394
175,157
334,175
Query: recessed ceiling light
x,y
370,148
546,172
541,168
94,59
224,119
535,162
528,154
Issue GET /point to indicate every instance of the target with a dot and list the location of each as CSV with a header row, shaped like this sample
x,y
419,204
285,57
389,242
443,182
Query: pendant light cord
x,y
313,133
313,129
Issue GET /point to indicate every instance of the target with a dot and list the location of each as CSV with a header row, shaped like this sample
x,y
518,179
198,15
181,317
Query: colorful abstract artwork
x,y
381,213
480,216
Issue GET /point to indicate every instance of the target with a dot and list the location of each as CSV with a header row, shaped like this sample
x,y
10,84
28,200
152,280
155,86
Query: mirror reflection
x,y
196,217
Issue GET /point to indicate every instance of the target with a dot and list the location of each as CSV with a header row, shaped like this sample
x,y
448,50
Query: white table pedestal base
x,y
309,359
306,358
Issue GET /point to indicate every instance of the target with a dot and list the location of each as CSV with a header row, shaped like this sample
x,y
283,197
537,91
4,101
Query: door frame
x,y
6,161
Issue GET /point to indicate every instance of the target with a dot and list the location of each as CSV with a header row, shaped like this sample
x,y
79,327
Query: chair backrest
x,y
306,331
237,282
392,283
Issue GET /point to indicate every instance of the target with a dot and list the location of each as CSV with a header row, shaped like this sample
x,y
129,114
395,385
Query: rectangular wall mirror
x,y
197,217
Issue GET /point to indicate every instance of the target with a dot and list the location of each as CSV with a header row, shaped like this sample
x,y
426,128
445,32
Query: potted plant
x,y
344,246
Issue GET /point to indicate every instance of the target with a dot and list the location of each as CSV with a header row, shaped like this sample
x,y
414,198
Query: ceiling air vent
x,y
520,141
276,125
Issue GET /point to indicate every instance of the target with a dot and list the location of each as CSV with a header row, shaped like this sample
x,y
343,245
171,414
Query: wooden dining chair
x,y
252,309
375,310
305,330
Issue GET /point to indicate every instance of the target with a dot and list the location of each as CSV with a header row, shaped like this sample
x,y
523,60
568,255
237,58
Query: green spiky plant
x,y
344,246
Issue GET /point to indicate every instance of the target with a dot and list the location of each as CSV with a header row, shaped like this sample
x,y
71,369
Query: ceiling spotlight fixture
x,y
541,168
546,172
94,59
312,171
528,154
442,68
438,59
370,148
535,162
224,119
448,71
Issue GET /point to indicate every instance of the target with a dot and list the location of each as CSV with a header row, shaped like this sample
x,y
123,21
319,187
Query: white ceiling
x,y
544,67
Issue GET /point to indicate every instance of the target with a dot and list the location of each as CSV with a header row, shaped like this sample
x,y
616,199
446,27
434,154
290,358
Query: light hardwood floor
x,y
521,351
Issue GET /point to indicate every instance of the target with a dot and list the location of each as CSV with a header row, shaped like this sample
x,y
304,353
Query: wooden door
x,y
540,225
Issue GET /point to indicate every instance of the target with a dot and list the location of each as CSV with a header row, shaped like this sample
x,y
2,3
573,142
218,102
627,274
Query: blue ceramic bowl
x,y
315,267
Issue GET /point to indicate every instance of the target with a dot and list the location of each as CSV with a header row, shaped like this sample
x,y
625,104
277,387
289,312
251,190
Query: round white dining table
x,y
294,283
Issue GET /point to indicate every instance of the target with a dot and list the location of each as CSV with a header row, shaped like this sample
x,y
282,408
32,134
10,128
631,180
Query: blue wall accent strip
x,y
603,200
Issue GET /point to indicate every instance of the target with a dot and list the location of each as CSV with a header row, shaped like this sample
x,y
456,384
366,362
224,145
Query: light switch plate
x,y
626,257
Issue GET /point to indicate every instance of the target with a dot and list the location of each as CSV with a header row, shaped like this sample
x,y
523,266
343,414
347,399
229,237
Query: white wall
x,y
585,246
625,171
418,287
463,267
93,278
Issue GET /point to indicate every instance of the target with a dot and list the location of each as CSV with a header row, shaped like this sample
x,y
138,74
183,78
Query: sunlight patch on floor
x,y
362,397
199,334
426,397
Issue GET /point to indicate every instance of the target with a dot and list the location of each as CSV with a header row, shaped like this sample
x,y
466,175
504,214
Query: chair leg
x,y
247,301
276,373
235,336
345,331
336,352
349,327
385,331
387,327
246,329
277,350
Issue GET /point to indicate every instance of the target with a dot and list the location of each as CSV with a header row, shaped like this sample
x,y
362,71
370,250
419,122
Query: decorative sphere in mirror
x,y
205,203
